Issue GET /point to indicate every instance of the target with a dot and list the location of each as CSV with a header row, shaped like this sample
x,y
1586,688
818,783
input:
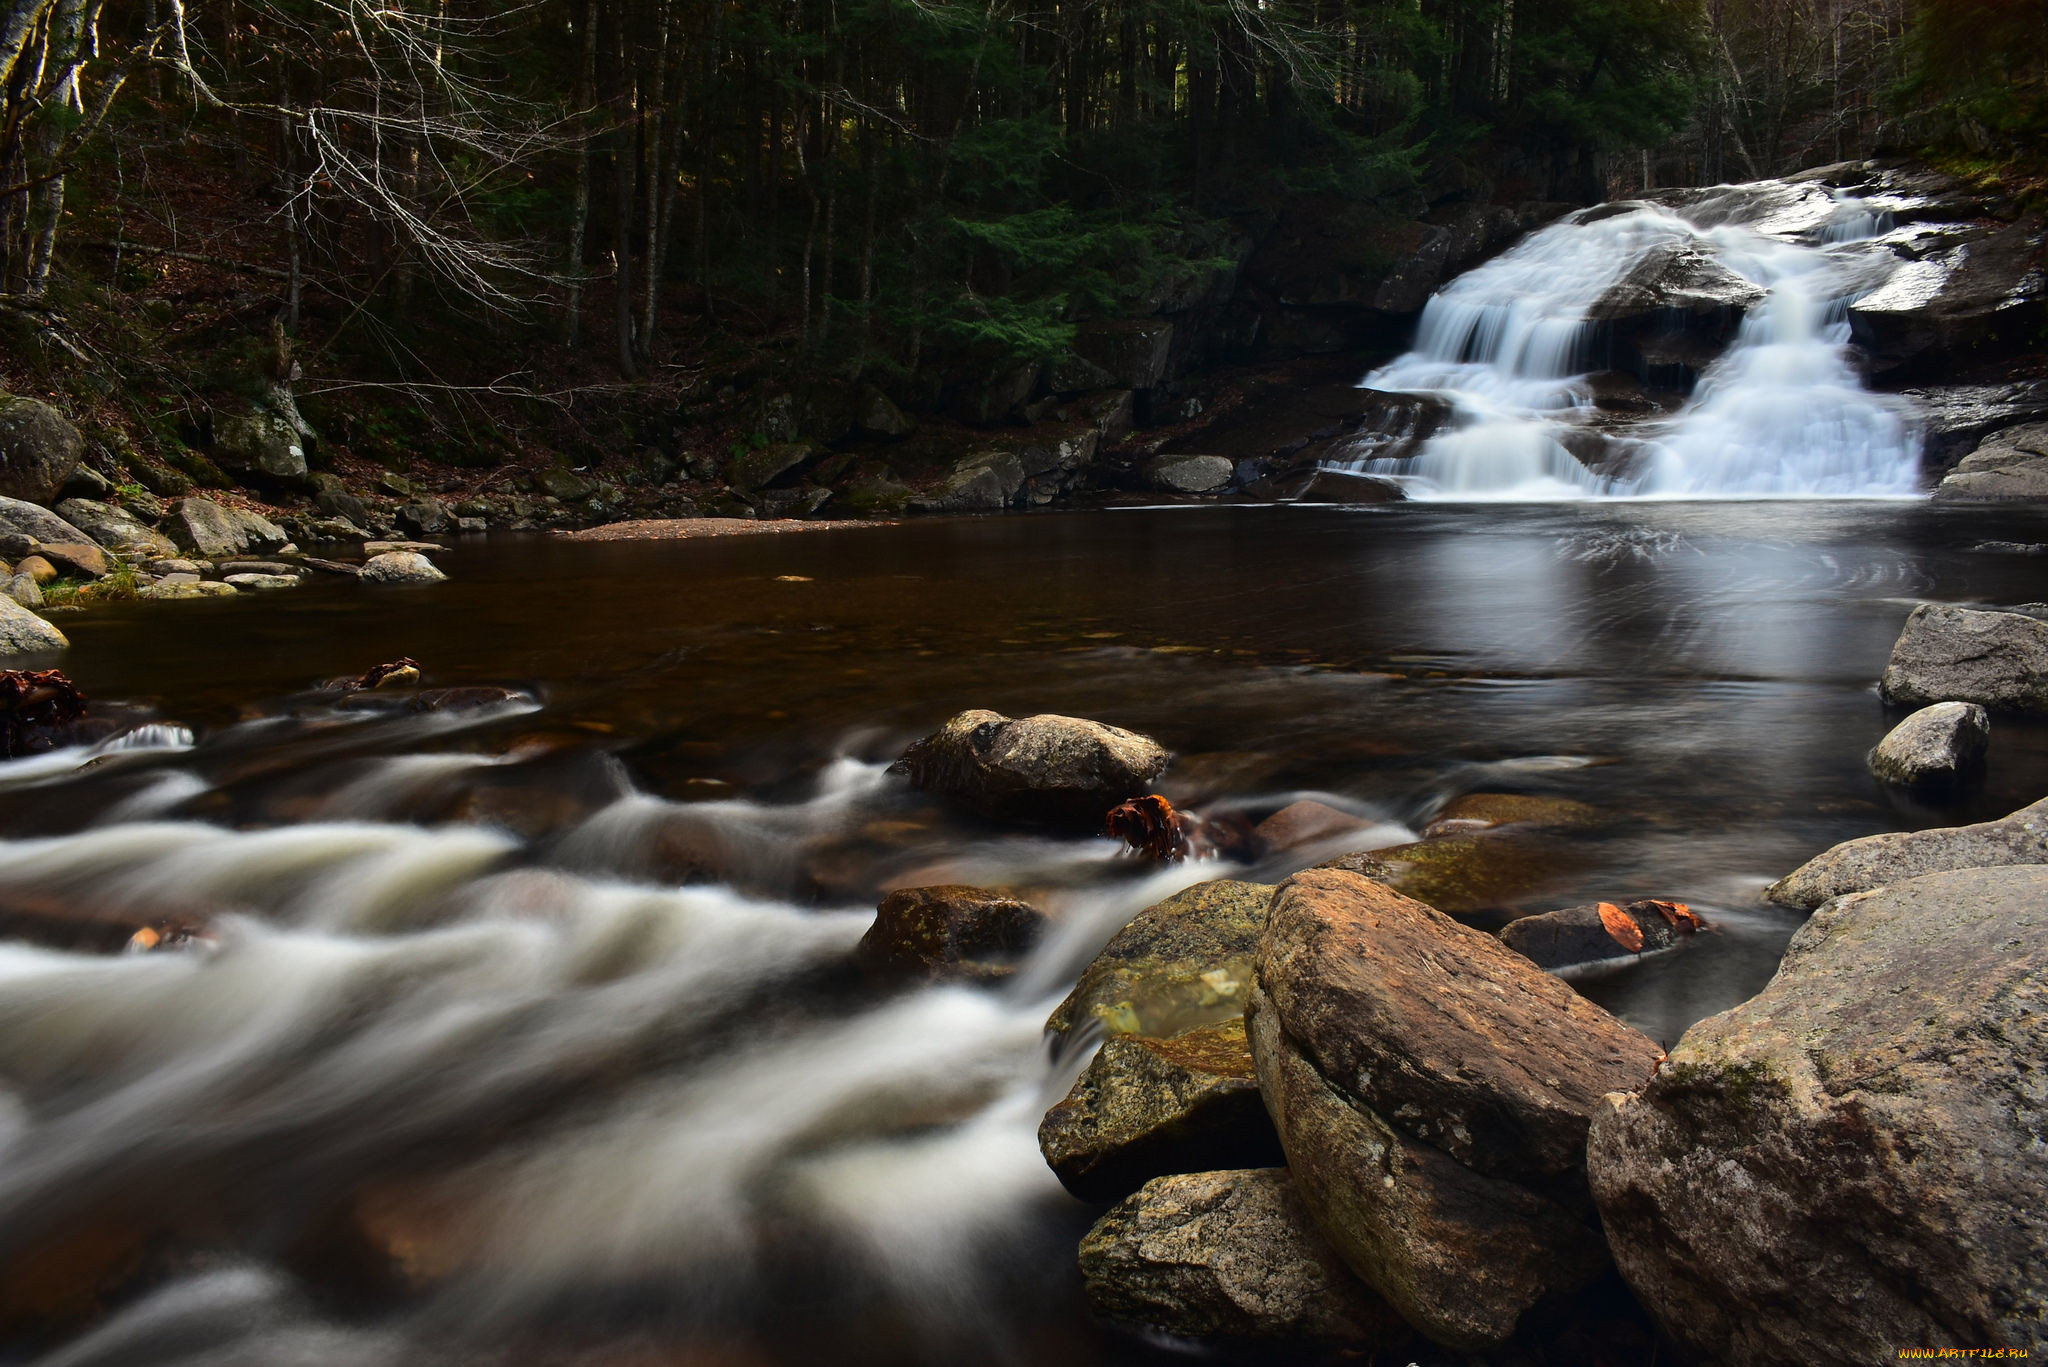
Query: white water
x,y
1781,413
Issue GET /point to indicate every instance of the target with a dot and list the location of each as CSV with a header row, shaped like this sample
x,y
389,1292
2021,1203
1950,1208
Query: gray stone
x,y
989,399
1876,860
752,470
258,582
425,517
556,482
1180,964
880,417
35,524
1850,1164
401,567
113,527
177,587
39,449
24,633
1145,1107
24,589
1132,353
2007,467
373,549
260,446
1230,1255
1952,654
332,497
207,529
1937,744
981,482
1432,1089
86,482
1190,474
1047,768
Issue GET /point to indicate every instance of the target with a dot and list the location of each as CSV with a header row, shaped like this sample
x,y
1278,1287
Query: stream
x,y
529,1033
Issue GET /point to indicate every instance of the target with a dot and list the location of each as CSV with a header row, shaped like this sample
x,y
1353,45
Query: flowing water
x,y
529,1034
1780,413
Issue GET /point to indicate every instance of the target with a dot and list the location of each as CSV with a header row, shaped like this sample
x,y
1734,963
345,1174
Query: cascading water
x,y
1514,348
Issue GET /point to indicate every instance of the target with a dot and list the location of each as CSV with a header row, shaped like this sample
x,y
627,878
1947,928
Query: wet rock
x,y
257,583
34,524
1231,1255
1346,486
2008,467
1488,811
24,633
1676,279
1048,768
1971,292
207,529
39,449
114,527
1147,1106
1935,745
176,588
260,446
401,567
80,558
1599,933
1432,1090
950,932
1180,964
1189,474
1877,860
1952,654
1305,823
981,482
1849,1164
1471,872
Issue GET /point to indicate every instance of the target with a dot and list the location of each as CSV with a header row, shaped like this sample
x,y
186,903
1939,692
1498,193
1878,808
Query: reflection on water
x,y
530,1034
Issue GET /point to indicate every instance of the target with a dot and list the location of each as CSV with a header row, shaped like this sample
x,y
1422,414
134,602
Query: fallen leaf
x,y
1677,914
1625,932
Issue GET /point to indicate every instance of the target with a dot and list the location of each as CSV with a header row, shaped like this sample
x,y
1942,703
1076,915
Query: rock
x,y
878,416
114,527
1490,811
1346,486
333,529
1189,474
1935,745
1579,936
1179,965
1952,654
23,589
207,529
1971,292
39,450
1432,1090
1877,860
1058,770
36,568
332,497
401,567
86,482
981,482
259,582
24,633
1229,1255
175,566
753,470
1110,412
1474,872
1132,353
991,397
260,446
950,931
1849,1164
81,558
34,524
556,482
1676,278
1301,824
426,517
2008,467
1147,1106
178,587
232,567
373,549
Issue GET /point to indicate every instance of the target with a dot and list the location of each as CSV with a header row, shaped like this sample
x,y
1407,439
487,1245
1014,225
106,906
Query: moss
x,y
119,586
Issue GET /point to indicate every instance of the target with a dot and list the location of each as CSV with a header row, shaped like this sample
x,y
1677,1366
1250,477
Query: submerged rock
x,y
1952,654
1599,932
1052,769
1849,1164
1303,824
950,931
1230,1255
24,633
1875,860
401,567
1937,744
1432,1089
1146,1107
1179,964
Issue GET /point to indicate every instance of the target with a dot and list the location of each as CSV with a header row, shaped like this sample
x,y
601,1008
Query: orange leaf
x,y
1676,913
1625,932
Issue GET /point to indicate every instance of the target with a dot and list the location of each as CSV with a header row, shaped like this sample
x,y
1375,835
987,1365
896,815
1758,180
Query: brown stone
x,y
79,557
1304,823
950,931
1064,771
1179,964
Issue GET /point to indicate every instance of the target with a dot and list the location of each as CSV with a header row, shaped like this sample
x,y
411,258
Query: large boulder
x,y
1058,770
19,518
24,633
260,446
1935,745
1432,1090
950,931
982,481
1951,654
401,567
1849,1165
1971,291
1189,474
1231,1255
2007,467
1177,965
1876,860
1145,1107
39,448
210,530
114,527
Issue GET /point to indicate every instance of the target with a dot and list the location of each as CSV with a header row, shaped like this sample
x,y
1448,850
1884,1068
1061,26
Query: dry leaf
x,y
1677,914
1625,931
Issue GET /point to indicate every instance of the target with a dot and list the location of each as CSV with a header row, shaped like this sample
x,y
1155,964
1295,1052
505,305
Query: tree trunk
x,y
579,213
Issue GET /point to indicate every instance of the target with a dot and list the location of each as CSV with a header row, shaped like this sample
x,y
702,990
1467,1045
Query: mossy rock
x,y
1179,965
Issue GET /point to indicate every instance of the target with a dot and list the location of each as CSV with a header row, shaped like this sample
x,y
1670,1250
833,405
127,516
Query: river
x,y
530,1034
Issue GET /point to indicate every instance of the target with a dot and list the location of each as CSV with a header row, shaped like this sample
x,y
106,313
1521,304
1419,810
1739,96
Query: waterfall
x,y
1515,347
